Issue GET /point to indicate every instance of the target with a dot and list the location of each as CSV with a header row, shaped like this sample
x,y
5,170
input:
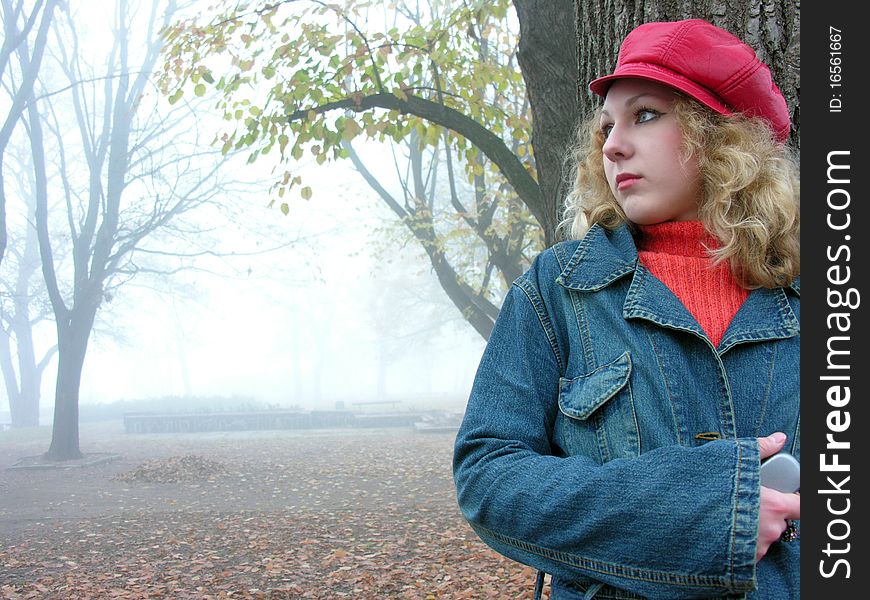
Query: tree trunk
x,y
25,412
547,55
72,348
30,378
65,425
19,408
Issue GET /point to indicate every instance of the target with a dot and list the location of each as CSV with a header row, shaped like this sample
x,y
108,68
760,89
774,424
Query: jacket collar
x,y
604,256
600,258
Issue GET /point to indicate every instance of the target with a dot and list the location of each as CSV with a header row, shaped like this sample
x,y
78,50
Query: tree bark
x,y
547,55
65,428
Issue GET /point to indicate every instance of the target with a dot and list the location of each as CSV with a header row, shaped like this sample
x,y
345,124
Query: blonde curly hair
x,y
751,202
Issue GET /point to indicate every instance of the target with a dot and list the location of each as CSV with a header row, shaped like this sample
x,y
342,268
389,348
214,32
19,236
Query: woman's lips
x,y
625,181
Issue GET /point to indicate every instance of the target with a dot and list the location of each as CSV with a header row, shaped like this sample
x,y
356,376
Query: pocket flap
x,y
581,396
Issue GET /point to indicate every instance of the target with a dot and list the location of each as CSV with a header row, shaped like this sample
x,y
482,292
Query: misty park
x,y
250,256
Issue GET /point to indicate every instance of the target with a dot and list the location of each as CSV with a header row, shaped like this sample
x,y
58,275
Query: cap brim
x,y
665,77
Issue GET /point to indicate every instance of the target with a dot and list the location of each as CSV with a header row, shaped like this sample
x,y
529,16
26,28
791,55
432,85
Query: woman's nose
x,y
617,145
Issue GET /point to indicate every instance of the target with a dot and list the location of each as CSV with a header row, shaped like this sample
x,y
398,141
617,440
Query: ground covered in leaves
x,y
360,514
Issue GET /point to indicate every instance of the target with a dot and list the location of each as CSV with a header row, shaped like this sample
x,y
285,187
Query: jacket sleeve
x,y
675,522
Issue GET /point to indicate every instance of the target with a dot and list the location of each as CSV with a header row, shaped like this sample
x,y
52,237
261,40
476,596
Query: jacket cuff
x,y
746,501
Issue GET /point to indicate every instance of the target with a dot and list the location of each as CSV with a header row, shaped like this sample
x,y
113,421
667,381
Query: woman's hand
x,y
776,507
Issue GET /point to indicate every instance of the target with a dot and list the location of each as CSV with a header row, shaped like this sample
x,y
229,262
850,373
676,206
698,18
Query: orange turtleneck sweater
x,y
676,253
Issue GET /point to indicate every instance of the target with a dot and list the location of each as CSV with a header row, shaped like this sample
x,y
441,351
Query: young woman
x,y
639,374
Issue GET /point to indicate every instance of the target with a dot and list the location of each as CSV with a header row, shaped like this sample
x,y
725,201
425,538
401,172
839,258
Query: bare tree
x,y
135,184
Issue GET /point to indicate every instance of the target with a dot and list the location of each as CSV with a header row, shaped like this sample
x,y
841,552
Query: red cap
x,y
705,62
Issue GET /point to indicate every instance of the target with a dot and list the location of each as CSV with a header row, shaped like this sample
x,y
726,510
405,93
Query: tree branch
x,y
490,144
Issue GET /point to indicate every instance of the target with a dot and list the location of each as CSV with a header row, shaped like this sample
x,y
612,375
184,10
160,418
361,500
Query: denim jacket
x,y
608,443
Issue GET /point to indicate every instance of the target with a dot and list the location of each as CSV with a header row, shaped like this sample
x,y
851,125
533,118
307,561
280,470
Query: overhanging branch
x,y
490,144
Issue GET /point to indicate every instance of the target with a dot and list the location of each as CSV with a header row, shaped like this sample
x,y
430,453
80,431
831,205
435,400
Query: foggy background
x,y
333,302
337,315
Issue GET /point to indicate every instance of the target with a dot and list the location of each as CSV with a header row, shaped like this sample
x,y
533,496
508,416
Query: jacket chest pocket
x,y
597,417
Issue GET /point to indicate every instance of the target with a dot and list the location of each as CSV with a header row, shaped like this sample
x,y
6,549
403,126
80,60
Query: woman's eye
x,y
647,114
642,115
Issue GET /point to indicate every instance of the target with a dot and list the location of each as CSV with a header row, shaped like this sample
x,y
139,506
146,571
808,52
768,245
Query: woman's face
x,y
642,151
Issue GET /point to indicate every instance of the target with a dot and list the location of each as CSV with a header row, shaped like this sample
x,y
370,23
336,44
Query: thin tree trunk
x,y
29,373
17,407
29,377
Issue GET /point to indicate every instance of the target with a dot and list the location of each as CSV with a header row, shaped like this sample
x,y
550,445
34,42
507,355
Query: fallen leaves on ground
x,y
175,469
328,517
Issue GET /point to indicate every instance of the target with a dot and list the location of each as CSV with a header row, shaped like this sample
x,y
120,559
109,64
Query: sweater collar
x,y
679,238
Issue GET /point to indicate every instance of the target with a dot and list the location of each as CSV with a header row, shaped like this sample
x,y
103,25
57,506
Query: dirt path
x,y
312,514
